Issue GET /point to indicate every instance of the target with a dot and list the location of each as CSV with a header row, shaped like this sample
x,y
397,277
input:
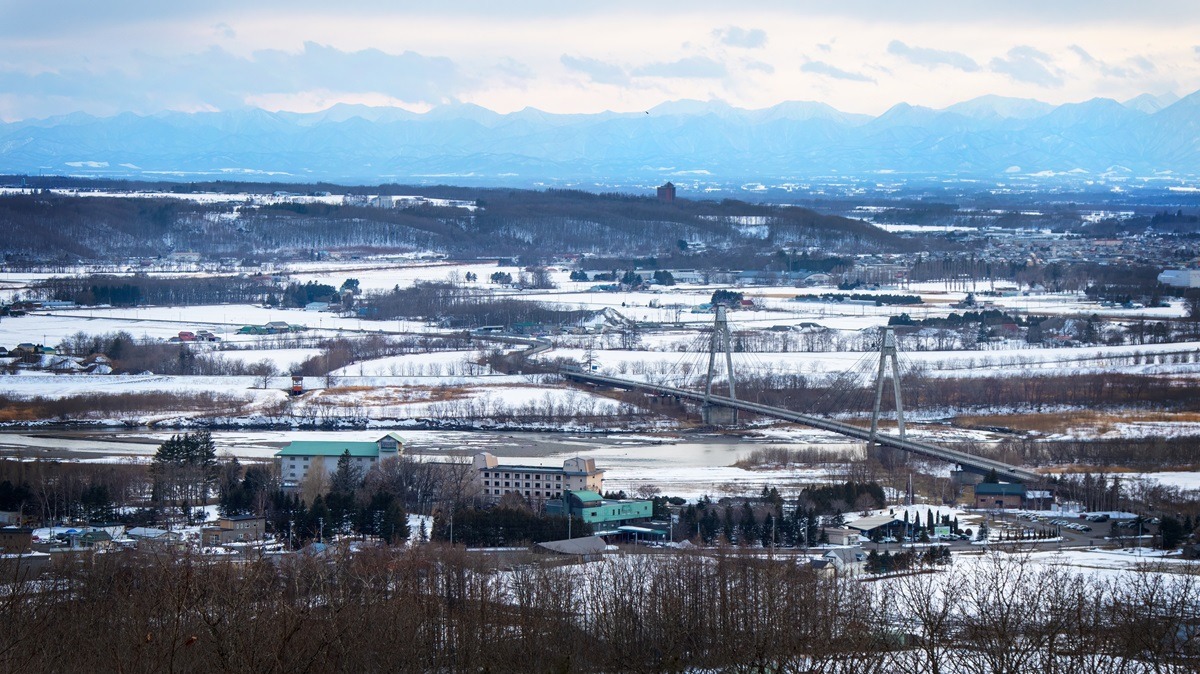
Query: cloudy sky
x,y
146,56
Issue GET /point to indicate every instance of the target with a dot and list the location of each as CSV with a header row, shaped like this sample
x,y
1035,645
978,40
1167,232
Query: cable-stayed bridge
x,y
719,350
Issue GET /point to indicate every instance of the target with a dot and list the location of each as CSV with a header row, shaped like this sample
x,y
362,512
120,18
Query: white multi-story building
x,y
536,482
300,458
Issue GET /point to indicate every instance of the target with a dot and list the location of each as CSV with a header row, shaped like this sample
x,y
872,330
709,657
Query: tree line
x,y
437,608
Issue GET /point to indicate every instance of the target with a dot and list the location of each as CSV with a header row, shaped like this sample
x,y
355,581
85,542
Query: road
x,y
977,464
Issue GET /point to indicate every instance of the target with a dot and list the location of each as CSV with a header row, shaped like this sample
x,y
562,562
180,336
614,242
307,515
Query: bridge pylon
x,y
887,351
720,341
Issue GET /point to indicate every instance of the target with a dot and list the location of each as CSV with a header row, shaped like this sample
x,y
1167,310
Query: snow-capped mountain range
x,y
986,138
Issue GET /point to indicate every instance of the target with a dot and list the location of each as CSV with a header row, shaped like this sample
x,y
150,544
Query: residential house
x,y
15,540
847,561
152,538
842,536
18,560
234,529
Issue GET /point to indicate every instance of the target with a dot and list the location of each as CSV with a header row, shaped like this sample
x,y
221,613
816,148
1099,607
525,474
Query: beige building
x,y
236,529
536,482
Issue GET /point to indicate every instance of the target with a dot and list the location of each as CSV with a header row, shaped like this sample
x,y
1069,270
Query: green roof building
x,y
300,458
594,509
1002,495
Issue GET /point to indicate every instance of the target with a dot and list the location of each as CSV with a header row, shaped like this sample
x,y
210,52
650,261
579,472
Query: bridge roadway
x,y
1004,471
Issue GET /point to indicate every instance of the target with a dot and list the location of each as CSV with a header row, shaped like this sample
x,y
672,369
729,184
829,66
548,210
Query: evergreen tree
x,y
1170,532
395,529
348,476
317,524
709,526
873,565
97,504
184,469
748,531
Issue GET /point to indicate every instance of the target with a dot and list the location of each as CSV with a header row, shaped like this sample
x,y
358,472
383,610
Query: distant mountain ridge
x,y
989,137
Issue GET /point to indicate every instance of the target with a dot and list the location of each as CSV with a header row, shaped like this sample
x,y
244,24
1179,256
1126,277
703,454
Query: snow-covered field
x,y
453,385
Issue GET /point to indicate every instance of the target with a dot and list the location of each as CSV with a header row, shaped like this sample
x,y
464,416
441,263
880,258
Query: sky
x,y
863,56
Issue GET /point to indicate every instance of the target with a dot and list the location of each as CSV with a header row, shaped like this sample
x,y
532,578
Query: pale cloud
x,y
217,79
596,70
144,56
932,58
516,70
734,36
1030,65
823,68
1136,66
1082,54
692,67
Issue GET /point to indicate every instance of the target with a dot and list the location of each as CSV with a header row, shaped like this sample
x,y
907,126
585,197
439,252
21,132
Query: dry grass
x,y
1061,422
1075,468
18,412
338,390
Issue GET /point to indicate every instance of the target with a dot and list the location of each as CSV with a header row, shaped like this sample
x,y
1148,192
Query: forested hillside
x,y
48,226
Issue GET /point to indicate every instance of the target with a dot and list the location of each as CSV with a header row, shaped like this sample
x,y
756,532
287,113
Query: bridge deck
x,y
1004,471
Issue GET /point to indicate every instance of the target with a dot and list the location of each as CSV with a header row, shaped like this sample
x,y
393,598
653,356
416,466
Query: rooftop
x,y
328,448
335,447
589,545
999,489
874,522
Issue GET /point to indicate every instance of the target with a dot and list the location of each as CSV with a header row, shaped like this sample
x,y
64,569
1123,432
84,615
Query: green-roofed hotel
x,y
300,457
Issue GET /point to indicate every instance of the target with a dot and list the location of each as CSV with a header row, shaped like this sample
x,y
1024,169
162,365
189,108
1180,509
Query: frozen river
x,y
687,466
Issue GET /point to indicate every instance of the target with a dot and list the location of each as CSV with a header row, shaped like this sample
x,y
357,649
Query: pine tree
x,y
748,531
873,562
184,468
318,522
347,477
395,527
